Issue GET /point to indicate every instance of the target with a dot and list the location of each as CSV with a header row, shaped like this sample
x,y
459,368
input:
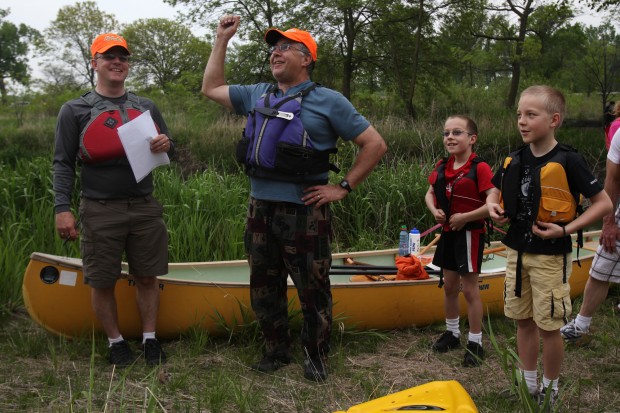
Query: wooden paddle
x,y
493,250
430,244
369,277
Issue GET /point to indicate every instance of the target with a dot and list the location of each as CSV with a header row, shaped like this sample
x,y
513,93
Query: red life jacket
x,y
464,187
99,140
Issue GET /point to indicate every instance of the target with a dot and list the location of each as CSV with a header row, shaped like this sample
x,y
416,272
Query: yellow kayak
x,y
445,396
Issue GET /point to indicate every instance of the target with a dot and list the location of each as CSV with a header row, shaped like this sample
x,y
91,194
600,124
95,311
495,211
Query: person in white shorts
x,y
606,264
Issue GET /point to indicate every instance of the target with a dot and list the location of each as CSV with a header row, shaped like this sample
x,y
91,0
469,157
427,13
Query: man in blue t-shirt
x,y
288,230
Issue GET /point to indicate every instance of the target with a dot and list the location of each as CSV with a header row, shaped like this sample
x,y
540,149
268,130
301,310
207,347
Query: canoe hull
x,y
57,298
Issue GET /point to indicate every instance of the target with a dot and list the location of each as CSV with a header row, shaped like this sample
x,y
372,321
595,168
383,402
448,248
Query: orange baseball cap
x,y
106,41
273,35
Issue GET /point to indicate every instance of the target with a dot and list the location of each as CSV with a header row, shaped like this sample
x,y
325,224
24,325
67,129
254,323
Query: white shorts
x,y
606,265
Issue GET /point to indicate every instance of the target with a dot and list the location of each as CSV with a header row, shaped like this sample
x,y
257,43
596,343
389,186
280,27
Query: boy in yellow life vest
x,y
541,214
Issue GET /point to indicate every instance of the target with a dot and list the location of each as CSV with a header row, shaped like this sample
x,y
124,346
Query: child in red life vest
x,y
456,198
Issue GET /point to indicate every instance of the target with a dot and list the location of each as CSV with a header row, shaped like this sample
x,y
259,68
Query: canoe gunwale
x,y
76,264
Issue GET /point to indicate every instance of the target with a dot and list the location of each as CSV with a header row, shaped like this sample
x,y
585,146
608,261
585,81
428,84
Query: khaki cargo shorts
x,y
131,228
544,295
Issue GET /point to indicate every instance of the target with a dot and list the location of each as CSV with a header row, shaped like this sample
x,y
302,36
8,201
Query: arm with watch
x,y
371,149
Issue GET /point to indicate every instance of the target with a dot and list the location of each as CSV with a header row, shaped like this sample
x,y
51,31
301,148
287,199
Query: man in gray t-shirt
x,y
117,214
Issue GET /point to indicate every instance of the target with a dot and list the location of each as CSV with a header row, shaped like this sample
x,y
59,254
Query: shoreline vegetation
x,y
204,195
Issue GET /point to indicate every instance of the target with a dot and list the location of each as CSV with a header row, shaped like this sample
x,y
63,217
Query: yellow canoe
x,y
446,396
214,295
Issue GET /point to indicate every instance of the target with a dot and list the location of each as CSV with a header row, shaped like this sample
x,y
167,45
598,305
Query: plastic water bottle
x,y
414,242
403,241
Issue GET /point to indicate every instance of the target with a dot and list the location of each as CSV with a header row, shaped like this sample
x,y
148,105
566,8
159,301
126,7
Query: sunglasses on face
x,y
455,132
108,57
283,48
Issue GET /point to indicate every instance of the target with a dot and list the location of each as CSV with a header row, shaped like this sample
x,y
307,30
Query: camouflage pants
x,y
283,239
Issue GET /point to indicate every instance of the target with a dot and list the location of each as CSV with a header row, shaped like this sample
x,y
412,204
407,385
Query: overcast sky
x,y
39,13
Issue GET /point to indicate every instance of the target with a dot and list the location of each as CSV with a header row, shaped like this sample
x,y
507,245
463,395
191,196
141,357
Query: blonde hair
x,y
616,110
553,99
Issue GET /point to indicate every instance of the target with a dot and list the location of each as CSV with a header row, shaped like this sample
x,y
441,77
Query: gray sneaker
x,y
575,335
547,400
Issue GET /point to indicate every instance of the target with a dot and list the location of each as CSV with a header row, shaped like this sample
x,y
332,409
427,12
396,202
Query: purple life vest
x,y
275,144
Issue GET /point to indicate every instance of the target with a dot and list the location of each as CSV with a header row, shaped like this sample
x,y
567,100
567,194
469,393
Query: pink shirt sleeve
x,y
612,130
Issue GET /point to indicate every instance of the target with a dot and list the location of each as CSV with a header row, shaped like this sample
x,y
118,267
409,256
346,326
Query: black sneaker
x,y
315,368
447,341
153,353
270,363
474,354
121,354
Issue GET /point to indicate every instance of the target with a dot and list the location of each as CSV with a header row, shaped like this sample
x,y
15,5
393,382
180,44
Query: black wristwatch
x,y
345,184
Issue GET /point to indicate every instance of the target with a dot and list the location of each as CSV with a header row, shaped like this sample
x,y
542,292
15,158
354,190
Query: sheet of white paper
x,y
136,136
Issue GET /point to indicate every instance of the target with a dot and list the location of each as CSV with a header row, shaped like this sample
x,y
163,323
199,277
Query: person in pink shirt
x,y
611,126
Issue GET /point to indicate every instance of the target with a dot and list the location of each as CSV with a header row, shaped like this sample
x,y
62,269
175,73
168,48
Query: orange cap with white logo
x,y
273,35
106,41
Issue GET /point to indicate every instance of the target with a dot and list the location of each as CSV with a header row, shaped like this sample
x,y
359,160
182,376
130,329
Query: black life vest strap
x,y
300,94
564,270
519,280
93,99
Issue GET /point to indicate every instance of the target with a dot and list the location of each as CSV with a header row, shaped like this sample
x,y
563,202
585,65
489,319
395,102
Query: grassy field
x,y
43,373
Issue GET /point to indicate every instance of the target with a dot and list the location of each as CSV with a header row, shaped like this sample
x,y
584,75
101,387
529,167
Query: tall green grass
x,y
205,193
205,202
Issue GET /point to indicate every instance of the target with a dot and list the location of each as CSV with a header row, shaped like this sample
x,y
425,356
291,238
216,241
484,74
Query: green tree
x,y
343,28
162,50
546,24
469,60
515,35
408,39
247,59
603,5
70,36
601,62
14,42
